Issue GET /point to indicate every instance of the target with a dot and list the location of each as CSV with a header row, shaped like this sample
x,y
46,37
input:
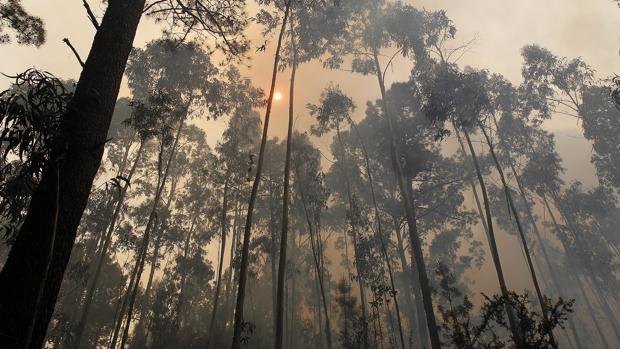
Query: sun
x,y
277,96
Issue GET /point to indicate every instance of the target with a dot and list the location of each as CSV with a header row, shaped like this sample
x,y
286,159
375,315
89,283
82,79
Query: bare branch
x,y
77,55
91,15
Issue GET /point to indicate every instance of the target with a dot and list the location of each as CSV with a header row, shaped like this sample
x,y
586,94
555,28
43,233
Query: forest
x,y
355,174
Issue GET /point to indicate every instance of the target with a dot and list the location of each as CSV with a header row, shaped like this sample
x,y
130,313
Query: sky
x,y
499,28
586,28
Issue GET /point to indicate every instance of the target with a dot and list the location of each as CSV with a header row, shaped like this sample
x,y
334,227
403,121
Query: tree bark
x,y
28,273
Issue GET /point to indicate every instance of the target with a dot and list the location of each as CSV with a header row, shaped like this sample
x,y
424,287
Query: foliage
x,y
465,331
29,29
30,124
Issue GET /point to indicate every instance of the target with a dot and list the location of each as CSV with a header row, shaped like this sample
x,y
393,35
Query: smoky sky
x,y
497,30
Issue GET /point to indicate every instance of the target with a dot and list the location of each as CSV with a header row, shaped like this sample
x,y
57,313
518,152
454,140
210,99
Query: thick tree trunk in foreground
x,y
243,272
28,273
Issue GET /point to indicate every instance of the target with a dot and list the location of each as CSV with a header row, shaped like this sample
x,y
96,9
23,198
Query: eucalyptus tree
x,y
304,44
180,80
559,85
436,183
311,198
243,270
235,149
377,25
192,146
459,98
529,152
333,110
569,87
66,183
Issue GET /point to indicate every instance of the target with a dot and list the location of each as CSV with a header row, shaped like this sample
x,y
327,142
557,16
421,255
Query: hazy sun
x,y
277,96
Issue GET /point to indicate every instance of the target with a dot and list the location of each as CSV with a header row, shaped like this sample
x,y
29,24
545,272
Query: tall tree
x,y
238,322
49,234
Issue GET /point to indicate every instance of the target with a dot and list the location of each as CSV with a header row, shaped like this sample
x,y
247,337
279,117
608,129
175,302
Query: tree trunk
x,y
317,266
181,300
416,243
552,271
418,320
355,243
103,253
140,332
218,285
147,232
37,261
492,244
279,334
231,269
380,231
243,272
526,249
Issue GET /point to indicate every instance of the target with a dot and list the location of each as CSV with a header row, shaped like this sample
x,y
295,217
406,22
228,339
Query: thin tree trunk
x,y
147,232
317,267
473,188
528,255
230,276
354,232
218,285
595,321
418,320
238,321
103,253
140,331
492,244
278,341
186,248
380,231
28,272
552,271
416,243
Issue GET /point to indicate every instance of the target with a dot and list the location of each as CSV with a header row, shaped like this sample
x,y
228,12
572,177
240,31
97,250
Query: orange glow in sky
x,y
277,96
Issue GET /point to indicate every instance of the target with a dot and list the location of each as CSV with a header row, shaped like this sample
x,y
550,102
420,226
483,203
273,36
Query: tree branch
x,y
91,15
77,55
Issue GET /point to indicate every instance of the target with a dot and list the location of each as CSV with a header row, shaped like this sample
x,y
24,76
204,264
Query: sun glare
x,y
277,96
